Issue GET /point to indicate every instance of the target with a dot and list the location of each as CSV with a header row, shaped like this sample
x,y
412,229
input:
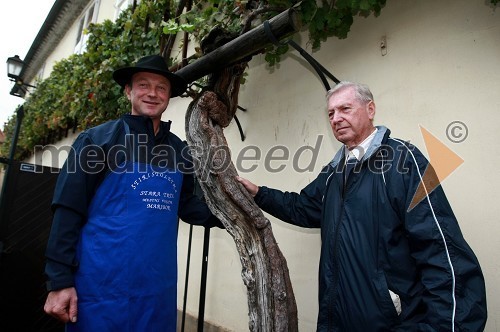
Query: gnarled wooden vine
x,y
271,300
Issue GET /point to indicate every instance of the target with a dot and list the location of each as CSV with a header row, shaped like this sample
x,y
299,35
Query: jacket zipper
x,y
336,273
331,321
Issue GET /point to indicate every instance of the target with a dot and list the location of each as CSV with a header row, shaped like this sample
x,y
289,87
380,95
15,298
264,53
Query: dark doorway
x,y
24,230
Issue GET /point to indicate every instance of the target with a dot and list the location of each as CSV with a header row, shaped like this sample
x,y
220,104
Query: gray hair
x,y
362,91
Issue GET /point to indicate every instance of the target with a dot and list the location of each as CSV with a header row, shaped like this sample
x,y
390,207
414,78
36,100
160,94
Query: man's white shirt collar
x,y
359,151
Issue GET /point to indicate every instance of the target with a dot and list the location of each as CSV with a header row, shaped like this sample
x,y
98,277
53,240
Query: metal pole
x,y
203,287
248,44
187,278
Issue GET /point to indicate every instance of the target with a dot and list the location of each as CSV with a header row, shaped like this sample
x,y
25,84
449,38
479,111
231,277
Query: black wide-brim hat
x,y
151,64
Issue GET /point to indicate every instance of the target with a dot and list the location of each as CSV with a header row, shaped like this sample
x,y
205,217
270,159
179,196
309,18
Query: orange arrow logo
x,y
442,162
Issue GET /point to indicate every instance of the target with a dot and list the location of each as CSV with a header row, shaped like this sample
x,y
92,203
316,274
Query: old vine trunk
x,y
265,273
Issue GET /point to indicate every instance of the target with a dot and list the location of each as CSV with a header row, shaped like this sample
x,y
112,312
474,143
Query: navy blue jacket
x,y
385,267
96,152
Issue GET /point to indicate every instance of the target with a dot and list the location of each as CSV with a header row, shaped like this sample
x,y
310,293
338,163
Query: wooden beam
x,y
250,43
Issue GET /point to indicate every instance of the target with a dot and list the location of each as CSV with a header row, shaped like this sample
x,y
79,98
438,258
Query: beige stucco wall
x,y
442,65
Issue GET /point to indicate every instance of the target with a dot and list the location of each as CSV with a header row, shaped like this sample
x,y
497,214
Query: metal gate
x,y
24,229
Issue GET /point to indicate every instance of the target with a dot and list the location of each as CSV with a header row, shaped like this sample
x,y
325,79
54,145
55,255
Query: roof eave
x,y
61,17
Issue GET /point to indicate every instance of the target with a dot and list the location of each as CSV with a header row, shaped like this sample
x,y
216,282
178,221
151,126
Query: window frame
x,y
121,5
89,15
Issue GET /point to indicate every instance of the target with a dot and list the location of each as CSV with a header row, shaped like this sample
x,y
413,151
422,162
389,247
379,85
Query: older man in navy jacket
x,y
386,264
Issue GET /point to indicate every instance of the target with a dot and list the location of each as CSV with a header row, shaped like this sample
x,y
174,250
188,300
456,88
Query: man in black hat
x,y
112,251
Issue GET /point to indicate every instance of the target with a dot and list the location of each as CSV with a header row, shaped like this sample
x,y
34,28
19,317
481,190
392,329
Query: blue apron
x,y
127,275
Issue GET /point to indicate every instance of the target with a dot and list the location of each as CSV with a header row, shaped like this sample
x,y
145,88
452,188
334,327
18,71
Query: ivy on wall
x,y
80,91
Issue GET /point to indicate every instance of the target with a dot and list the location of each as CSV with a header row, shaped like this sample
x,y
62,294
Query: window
x,y
121,5
39,75
89,16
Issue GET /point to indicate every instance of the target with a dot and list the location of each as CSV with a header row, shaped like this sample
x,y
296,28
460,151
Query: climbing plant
x,y
80,92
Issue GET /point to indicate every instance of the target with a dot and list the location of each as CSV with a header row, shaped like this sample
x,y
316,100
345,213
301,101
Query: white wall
x,y
53,155
442,65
